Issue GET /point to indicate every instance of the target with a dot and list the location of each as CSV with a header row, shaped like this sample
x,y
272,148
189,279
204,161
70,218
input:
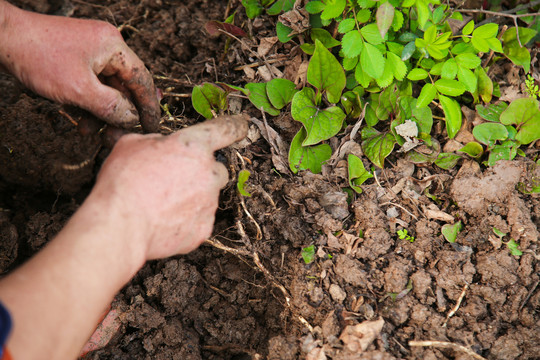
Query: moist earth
x,y
248,293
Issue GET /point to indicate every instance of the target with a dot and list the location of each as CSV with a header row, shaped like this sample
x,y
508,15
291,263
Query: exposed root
x,y
447,345
458,304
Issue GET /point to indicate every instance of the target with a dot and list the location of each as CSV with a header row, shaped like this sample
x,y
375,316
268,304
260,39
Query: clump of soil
x,y
249,294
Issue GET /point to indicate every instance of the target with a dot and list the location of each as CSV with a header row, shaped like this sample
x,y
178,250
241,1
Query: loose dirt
x,y
250,295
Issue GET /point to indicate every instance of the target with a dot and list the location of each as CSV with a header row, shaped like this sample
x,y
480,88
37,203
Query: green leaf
x,y
468,29
352,44
333,9
505,151
280,92
387,76
314,7
253,8
346,25
398,66
385,17
360,75
430,34
428,93
467,78
258,97
489,133
307,157
324,37
495,44
449,69
513,247
243,176
486,31
397,23
447,160
377,146
498,232
485,86
363,16
350,63
525,114
468,60
351,104
452,114
319,124
437,69
372,61
525,35
473,149
462,48
371,34
417,74
491,112
450,232
450,87
423,12
480,44
408,51
325,73
357,173
280,6
283,32
207,98
308,254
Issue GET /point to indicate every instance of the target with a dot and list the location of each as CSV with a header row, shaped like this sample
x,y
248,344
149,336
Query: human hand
x,y
166,188
61,58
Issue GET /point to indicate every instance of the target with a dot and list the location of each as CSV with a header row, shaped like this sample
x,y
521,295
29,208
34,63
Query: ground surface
x,y
213,304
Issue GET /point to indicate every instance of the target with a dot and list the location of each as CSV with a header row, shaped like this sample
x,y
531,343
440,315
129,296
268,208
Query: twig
x,y
458,304
529,295
67,116
401,207
263,58
445,344
259,63
502,14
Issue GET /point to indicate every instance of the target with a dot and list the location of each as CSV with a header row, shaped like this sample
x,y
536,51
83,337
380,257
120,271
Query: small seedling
x,y
404,235
450,232
513,247
243,176
532,88
308,254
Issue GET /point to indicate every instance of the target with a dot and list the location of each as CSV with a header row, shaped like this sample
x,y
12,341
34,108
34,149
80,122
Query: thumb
x,y
110,105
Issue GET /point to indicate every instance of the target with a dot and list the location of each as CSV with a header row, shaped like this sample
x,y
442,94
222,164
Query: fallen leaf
x,y
266,45
357,338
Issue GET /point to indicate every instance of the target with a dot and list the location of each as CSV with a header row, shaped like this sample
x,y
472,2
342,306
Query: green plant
x,y
511,244
308,254
450,232
404,235
531,88
507,128
382,55
243,176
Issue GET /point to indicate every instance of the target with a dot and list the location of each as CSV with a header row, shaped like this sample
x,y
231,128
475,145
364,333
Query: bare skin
x,y
155,197
61,58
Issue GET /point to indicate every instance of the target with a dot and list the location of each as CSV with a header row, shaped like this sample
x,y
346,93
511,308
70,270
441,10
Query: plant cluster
x,y
397,64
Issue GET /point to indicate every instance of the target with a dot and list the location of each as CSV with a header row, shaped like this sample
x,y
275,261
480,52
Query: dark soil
x,y
215,304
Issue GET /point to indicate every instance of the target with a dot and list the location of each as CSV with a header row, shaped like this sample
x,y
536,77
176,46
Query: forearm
x,y
56,299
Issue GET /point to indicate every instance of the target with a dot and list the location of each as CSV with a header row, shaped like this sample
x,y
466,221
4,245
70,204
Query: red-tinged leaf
x,y
216,28
385,16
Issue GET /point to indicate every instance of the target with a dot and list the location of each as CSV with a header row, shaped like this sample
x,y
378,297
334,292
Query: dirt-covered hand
x,y
80,62
166,188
